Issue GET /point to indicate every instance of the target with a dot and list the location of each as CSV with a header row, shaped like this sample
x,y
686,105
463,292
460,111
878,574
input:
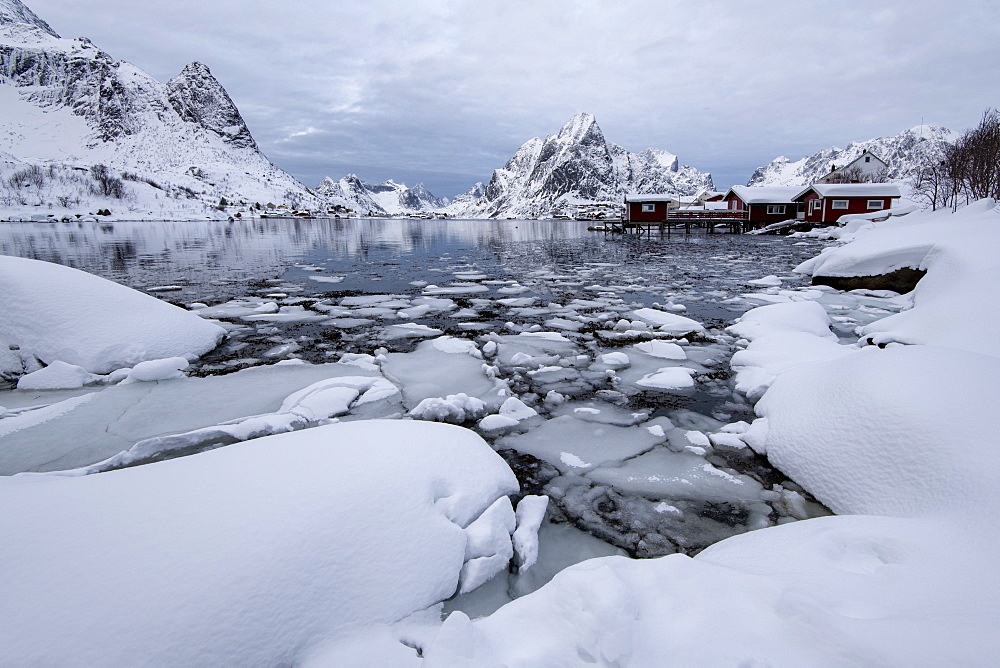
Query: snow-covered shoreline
x,y
898,438
894,432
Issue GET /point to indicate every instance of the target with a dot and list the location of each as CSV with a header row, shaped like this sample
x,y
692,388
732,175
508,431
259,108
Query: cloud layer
x,y
444,91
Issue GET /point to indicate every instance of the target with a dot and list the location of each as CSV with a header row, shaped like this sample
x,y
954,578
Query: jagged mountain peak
x,y
198,97
662,158
581,129
15,15
184,139
577,166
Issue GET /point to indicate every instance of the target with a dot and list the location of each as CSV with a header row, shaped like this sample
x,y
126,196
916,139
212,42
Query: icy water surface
x,y
612,347
213,260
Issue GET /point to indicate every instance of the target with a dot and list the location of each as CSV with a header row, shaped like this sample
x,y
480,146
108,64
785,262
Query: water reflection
x,y
138,253
216,260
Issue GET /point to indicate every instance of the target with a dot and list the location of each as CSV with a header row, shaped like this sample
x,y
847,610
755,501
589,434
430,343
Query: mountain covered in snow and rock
x,y
387,198
573,167
903,153
168,148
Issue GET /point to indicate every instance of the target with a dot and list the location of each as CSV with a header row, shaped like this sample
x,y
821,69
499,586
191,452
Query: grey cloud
x,y
444,91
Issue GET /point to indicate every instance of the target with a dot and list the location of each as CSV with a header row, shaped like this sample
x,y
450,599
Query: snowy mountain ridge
x,y
69,106
577,166
903,153
386,198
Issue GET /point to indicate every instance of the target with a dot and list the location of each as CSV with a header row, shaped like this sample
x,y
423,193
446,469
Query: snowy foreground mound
x,y
900,439
274,545
52,312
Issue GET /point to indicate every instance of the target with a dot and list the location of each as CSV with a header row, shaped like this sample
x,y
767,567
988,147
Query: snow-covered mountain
x,y
387,198
902,153
68,106
578,166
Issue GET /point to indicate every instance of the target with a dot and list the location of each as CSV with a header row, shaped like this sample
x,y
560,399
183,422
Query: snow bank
x,y
824,592
906,431
958,252
247,555
59,313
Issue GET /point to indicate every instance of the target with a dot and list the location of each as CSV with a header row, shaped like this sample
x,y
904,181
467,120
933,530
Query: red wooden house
x,y
827,202
649,208
763,205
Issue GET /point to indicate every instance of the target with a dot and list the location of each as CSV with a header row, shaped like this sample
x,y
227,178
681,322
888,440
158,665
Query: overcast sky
x,y
444,91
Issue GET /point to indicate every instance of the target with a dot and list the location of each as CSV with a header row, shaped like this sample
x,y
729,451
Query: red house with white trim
x,y
649,208
763,204
827,202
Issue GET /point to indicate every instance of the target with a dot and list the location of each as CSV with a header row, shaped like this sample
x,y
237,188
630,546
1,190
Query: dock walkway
x,y
677,221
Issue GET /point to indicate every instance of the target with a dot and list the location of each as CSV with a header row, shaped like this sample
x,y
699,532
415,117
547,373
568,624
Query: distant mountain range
x,y
903,153
544,177
386,198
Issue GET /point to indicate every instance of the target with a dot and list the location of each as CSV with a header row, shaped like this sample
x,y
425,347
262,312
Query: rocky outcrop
x,y
198,97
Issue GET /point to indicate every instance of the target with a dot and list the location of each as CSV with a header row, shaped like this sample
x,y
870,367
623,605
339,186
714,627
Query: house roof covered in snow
x,y
651,198
764,194
851,190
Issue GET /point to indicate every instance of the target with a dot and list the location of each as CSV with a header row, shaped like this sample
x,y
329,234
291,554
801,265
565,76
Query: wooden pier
x,y
684,221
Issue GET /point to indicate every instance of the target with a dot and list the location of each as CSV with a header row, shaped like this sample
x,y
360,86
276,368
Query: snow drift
x,y
250,554
58,313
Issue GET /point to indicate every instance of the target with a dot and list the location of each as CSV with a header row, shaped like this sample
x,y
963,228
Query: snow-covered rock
x,y
56,376
245,555
59,313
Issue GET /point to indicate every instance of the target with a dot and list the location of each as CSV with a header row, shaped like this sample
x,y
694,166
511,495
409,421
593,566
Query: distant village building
x,y
763,205
649,208
705,195
827,202
866,168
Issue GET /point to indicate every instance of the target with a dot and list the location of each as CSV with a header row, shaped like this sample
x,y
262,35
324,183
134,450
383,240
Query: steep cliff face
x,y
198,97
15,16
67,102
578,166
903,153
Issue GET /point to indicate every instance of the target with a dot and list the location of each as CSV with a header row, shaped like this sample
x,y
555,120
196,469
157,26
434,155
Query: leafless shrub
x,y
969,169
105,183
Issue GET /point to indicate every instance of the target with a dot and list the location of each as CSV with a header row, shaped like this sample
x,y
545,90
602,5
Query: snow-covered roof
x,y
651,198
764,194
851,190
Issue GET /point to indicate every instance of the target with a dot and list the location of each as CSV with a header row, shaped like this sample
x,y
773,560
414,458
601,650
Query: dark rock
x,y
901,281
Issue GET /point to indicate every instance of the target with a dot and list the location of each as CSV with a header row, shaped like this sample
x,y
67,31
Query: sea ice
x,y
576,446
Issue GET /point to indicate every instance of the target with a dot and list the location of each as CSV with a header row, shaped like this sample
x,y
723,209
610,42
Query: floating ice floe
x,y
669,323
170,417
668,378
